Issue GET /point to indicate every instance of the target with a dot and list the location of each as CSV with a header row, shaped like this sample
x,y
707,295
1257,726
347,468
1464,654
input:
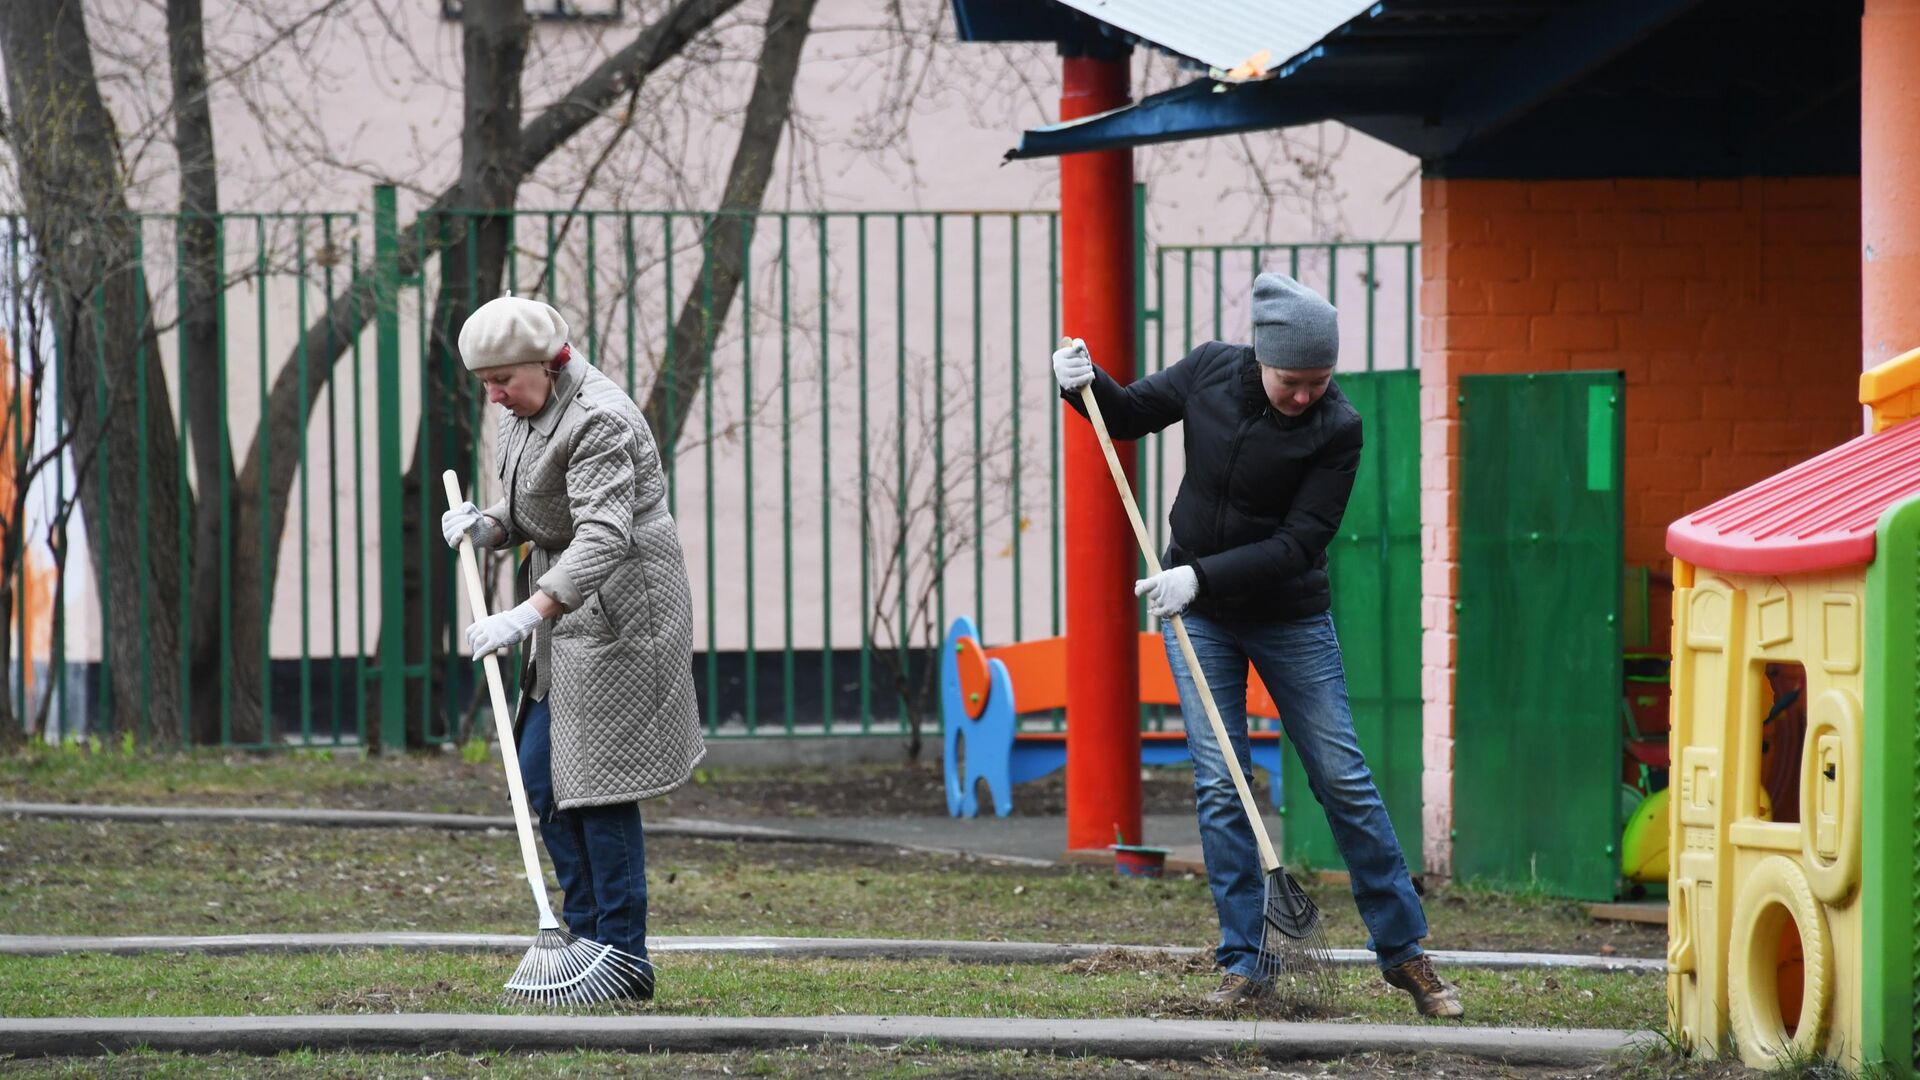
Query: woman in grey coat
x,y
607,714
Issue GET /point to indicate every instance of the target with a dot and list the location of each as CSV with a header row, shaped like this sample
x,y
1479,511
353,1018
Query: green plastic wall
x,y
1890,855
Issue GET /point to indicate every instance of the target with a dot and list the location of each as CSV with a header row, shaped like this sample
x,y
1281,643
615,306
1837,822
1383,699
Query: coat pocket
x,y
626,600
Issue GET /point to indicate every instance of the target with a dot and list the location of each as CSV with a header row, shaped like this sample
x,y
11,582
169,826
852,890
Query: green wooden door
x,y
1536,755
1375,569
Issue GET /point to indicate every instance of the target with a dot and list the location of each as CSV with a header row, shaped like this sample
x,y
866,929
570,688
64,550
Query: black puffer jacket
x,y
1264,493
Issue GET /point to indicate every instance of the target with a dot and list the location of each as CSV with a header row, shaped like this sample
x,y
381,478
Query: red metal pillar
x,y
1103,684
1889,163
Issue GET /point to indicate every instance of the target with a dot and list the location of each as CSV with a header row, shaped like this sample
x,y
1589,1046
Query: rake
x,y
561,968
1294,961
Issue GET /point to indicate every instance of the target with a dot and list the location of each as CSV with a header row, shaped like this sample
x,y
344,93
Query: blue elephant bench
x,y
980,712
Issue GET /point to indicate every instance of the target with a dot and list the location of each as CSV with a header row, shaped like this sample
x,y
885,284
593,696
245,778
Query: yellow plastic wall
x,y
1892,391
1726,628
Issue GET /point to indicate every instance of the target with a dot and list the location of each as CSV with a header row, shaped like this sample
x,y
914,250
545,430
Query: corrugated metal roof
x,y
1225,34
1818,515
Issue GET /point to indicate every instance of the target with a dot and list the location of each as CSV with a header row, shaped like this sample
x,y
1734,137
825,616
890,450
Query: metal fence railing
x,y
865,442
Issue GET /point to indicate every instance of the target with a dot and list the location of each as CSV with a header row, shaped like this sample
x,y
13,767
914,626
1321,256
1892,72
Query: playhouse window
x,y
1783,728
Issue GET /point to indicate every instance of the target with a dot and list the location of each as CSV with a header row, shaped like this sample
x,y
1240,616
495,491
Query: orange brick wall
x,y
1732,306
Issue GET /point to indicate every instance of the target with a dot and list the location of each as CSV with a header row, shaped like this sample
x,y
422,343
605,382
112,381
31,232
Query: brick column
x,y
1439,537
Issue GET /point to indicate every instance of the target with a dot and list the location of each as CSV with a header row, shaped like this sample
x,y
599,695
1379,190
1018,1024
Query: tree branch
x,y
727,234
326,339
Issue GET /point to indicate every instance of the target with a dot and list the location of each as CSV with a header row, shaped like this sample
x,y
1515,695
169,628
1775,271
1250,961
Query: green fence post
x,y
393,619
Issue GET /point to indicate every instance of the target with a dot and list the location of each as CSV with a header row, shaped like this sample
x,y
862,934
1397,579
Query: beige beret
x,y
511,330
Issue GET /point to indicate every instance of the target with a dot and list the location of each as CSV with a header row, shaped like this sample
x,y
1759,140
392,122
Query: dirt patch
x,y
1124,961
1188,1004
384,999
1192,1006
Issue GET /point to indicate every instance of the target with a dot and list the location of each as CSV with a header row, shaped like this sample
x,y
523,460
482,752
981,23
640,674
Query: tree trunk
x,y
66,150
494,38
13,733
726,236
200,296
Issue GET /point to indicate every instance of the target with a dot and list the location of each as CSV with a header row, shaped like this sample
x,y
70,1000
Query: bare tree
x,y
724,241
494,46
71,178
201,287
66,154
913,548
27,454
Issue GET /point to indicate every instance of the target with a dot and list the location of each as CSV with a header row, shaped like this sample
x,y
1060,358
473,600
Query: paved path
x,y
487,1033
976,952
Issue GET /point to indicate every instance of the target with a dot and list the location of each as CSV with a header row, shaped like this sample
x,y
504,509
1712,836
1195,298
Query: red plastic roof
x,y
1818,515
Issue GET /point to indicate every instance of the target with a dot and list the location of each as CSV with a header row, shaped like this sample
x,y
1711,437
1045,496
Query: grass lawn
x,y
386,981
66,877
124,878
128,878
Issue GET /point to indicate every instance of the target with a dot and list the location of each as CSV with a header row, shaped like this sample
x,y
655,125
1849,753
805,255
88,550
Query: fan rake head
x,y
564,970
1295,961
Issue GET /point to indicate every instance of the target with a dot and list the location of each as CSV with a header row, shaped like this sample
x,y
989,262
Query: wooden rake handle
x,y
502,719
1268,860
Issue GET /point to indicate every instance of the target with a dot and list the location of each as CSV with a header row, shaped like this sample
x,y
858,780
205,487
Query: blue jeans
x,y
598,852
1300,663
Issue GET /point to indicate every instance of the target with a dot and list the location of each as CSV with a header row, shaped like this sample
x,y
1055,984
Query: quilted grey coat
x,y
584,486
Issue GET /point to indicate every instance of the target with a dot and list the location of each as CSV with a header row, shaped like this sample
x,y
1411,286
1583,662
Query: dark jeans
x,y
598,852
1300,663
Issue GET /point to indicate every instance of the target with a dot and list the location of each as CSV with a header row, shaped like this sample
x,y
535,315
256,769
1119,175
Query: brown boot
x,y
1237,990
1431,995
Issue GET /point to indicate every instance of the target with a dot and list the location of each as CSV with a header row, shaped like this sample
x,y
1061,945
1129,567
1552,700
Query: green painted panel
x,y
1375,567
1537,680
1600,453
1890,843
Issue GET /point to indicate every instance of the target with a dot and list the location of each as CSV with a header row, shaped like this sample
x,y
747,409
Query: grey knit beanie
x,y
1292,326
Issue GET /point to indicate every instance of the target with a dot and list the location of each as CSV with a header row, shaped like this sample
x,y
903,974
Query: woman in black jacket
x,y
1272,447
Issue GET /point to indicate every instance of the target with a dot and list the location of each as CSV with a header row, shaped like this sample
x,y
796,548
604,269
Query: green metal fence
x,y
283,262
872,450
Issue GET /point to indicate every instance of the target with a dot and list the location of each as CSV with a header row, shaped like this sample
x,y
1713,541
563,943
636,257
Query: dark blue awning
x,y
1525,88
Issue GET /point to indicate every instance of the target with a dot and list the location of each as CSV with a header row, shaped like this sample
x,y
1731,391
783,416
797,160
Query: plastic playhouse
x,y
985,691
1790,930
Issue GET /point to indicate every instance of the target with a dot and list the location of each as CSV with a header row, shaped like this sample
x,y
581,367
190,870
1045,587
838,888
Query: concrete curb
x,y
685,828
477,1033
975,952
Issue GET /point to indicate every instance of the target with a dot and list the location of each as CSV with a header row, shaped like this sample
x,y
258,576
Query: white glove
x,y
1073,366
467,520
1168,592
497,631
